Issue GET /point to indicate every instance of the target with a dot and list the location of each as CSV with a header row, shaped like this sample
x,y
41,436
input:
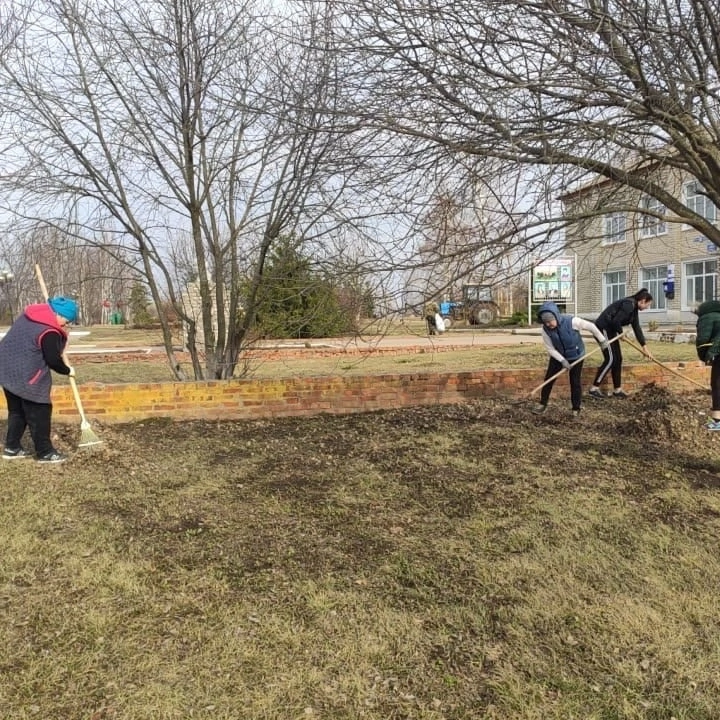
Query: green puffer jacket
x,y
707,338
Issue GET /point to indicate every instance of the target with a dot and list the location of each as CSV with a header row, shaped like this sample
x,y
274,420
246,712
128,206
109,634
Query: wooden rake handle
x,y
41,282
663,365
572,364
73,384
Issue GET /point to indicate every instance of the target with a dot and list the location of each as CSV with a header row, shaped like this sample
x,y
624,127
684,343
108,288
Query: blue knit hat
x,y
65,307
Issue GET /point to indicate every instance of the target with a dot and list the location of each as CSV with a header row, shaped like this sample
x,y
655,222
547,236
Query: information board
x,y
553,280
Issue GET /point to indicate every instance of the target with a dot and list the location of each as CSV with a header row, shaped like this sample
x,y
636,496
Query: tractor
x,y
476,308
478,305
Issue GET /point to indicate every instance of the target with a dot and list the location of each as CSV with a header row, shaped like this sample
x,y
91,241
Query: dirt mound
x,y
661,414
652,416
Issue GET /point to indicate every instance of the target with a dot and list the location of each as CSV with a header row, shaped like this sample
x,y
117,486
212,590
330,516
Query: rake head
x,y
87,436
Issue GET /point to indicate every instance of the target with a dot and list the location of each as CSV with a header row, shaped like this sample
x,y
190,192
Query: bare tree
x,y
625,90
206,124
189,136
470,236
91,274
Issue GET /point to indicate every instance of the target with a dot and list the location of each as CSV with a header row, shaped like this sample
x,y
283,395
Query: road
x,y
453,337
83,344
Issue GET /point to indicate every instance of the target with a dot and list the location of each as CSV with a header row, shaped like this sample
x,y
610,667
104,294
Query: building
x,y
622,250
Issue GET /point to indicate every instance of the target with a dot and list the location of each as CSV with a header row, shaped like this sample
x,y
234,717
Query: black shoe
x,y
620,394
16,454
52,457
595,393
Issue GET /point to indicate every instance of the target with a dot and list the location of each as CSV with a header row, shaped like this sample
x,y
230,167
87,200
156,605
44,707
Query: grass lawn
x,y
525,355
446,563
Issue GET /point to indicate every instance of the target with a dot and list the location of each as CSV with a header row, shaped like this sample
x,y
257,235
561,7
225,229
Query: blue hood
x,y
549,307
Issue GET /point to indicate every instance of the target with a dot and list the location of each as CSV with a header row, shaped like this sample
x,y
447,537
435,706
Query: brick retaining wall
x,y
237,399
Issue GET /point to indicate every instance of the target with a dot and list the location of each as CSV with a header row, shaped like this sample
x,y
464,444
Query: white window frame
x,y
651,226
698,201
613,288
698,287
615,229
653,278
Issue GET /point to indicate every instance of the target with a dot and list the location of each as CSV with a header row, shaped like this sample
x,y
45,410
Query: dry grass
x,y
438,563
447,563
522,355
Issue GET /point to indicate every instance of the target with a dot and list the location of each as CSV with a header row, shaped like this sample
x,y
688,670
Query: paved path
x,y
453,338
470,338
85,345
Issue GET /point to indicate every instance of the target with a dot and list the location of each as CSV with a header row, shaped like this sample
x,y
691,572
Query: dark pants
x,y
430,320
715,383
575,373
26,414
612,362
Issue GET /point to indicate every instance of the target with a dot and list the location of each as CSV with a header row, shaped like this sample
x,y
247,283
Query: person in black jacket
x,y
611,322
707,344
33,347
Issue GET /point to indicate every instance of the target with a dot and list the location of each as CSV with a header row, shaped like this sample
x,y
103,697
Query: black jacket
x,y
618,314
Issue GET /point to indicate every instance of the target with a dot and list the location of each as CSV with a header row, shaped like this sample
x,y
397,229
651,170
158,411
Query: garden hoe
x,y
87,435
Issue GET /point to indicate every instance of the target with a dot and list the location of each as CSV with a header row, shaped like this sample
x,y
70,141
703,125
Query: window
x,y
698,202
700,282
651,226
613,286
653,279
614,228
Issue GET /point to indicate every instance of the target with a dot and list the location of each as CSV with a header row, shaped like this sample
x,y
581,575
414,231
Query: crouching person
x,y
565,346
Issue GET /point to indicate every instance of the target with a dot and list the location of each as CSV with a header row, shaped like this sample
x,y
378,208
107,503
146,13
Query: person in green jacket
x,y
707,344
430,310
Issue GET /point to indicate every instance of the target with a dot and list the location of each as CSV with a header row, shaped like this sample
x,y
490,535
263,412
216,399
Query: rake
x,y
669,369
87,435
572,364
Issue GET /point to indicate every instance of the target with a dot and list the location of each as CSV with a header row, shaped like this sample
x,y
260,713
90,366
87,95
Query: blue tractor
x,y
477,307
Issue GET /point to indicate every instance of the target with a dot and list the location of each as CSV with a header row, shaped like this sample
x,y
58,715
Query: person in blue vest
x,y
32,347
564,344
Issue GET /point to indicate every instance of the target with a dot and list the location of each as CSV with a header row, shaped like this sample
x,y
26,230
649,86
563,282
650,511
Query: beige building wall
x,y
192,305
638,254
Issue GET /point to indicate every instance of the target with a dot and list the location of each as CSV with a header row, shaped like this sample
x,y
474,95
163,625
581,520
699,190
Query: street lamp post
x,y
6,277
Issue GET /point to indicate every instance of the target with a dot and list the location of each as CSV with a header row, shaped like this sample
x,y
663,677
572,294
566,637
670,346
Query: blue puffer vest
x,y
565,339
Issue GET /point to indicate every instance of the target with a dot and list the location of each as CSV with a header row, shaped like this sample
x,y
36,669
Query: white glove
x,y
72,371
604,344
565,363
